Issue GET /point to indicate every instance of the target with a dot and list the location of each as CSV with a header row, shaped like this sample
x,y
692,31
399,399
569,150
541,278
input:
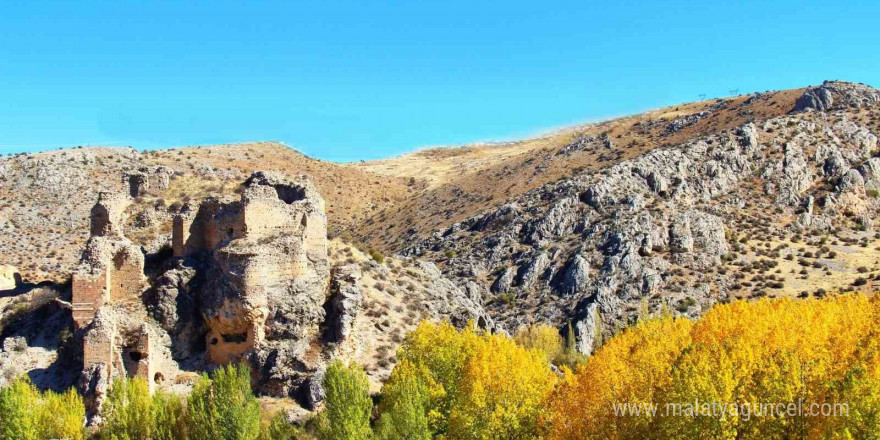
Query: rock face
x,y
346,301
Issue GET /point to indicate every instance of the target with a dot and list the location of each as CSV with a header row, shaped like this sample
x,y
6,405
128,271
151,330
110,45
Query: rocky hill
x,y
45,197
596,226
248,277
779,206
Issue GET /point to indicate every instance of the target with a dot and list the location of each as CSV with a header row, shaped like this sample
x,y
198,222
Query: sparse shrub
x,y
685,305
507,298
377,256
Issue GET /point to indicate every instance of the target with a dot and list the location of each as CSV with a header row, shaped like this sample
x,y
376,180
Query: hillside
x,y
782,206
45,197
255,252
467,180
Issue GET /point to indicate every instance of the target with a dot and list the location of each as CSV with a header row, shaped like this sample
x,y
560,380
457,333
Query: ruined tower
x,y
111,267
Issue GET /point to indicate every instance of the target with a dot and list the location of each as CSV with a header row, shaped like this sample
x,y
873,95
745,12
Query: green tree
x,y
347,406
18,418
223,407
128,410
27,414
405,403
168,417
62,415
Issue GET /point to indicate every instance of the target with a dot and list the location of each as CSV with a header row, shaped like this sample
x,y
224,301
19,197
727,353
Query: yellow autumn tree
x,y
28,414
542,337
440,353
629,368
821,354
472,386
502,392
771,352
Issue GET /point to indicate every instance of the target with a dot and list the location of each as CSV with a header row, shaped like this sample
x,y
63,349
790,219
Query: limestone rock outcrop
x,y
836,95
9,277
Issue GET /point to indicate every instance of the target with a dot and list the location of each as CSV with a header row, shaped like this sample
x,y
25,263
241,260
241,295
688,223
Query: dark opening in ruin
x,y
290,194
136,185
158,378
135,356
235,338
214,341
231,232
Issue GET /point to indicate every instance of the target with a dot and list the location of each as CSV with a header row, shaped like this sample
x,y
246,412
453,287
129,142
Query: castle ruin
x,y
267,247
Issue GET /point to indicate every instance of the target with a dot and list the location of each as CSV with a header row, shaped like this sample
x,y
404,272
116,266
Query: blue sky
x,y
362,80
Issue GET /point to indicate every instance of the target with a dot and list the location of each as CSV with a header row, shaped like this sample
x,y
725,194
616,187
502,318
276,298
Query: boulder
x,y
9,277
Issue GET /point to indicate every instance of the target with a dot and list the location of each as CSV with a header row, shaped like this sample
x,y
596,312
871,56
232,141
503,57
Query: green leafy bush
x,y
405,404
19,421
27,414
127,410
223,407
278,428
348,405
168,417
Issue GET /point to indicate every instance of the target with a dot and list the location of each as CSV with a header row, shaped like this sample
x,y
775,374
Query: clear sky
x,y
367,79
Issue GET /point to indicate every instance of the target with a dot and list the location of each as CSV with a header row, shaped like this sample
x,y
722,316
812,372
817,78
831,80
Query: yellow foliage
x,y
766,352
28,414
62,415
502,392
628,368
541,337
480,386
